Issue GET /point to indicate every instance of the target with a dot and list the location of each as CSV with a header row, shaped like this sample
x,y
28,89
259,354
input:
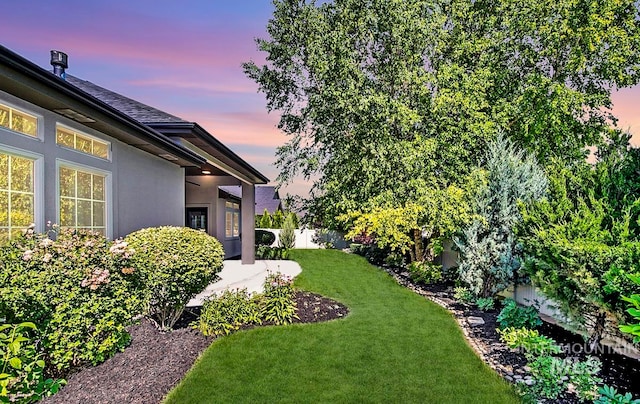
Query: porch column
x,y
248,212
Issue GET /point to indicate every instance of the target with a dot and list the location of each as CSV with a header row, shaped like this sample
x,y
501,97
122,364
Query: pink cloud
x,y
626,107
220,86
249,133
117,35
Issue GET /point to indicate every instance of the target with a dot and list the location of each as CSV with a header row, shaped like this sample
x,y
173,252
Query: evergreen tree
x,y
265,220
287,234
277,219
489,254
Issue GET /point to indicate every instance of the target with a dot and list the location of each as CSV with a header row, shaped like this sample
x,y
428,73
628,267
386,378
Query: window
x,y
16,194
18,121
82,143
232,220
82,199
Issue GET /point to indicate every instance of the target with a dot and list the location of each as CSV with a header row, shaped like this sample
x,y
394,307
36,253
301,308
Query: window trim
x,y
108,189
77,132
38,181
39,121
233,211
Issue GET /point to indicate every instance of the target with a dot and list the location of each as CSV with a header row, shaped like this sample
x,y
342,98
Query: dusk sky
x,y
182,57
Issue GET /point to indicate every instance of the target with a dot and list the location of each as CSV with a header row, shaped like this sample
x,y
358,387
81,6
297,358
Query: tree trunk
x,y
598,331
418,245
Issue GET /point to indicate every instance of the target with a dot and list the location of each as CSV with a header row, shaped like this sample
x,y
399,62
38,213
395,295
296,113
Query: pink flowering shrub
x,y
77,287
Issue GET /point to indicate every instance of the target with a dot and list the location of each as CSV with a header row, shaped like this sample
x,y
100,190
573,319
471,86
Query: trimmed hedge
x,y
177,263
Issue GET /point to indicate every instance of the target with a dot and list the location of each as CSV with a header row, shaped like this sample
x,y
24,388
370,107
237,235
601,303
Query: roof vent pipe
x,y
59,63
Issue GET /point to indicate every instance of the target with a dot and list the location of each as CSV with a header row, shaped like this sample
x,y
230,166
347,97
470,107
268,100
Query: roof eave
x,y
36,73
180,129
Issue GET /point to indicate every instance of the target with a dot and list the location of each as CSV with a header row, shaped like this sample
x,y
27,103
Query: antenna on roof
x,y
59,63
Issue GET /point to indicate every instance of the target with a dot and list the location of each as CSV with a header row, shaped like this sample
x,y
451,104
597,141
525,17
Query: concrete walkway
x,y
234,275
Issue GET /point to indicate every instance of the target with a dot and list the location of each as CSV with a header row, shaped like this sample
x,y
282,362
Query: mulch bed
x,y
618,370
156,361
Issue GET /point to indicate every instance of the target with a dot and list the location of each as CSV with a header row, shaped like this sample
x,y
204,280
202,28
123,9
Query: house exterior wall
x,y
142,190
202,191
150,191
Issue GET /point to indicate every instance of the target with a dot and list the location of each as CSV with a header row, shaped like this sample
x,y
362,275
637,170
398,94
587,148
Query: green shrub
x,y
22,376
485,303
264,238
177,263
580,245
228,312
609,395
634,311
224,314
394,260
272,253
279,306
582,375
463,294
513,315
530,341
287,234
424,272
80,290
551,375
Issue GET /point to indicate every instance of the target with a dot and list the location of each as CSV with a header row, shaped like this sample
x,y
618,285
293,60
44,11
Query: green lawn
x,y
394,346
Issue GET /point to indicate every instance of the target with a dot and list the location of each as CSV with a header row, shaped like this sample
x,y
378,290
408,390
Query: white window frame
x,y
38,181
84,134
39,121
108,189
233,211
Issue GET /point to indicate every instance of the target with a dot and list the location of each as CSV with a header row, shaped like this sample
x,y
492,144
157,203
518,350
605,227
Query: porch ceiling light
x,y
206,172
168,156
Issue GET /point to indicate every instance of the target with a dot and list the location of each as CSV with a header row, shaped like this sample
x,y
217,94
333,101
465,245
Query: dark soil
x,y
619,371
156,361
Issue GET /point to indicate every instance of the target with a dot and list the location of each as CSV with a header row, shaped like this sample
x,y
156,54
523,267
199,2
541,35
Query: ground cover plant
x,y
234,309
394,346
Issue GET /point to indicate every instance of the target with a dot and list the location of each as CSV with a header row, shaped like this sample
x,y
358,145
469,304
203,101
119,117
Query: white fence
x,y
313,238
528,295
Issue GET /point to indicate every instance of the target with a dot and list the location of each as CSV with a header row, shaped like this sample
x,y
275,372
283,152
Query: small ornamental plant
x,y
424,272
513,315
279,306
230,311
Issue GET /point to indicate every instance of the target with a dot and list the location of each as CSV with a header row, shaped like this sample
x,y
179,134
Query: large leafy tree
x,y
363,86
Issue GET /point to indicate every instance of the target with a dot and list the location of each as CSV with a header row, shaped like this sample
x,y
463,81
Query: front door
x,y
197,218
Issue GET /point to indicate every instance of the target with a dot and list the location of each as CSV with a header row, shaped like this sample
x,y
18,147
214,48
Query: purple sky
x,y
182,57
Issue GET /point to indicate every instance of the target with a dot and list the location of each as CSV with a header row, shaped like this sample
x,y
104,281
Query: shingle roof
x,y
266,197
135,109
233,190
